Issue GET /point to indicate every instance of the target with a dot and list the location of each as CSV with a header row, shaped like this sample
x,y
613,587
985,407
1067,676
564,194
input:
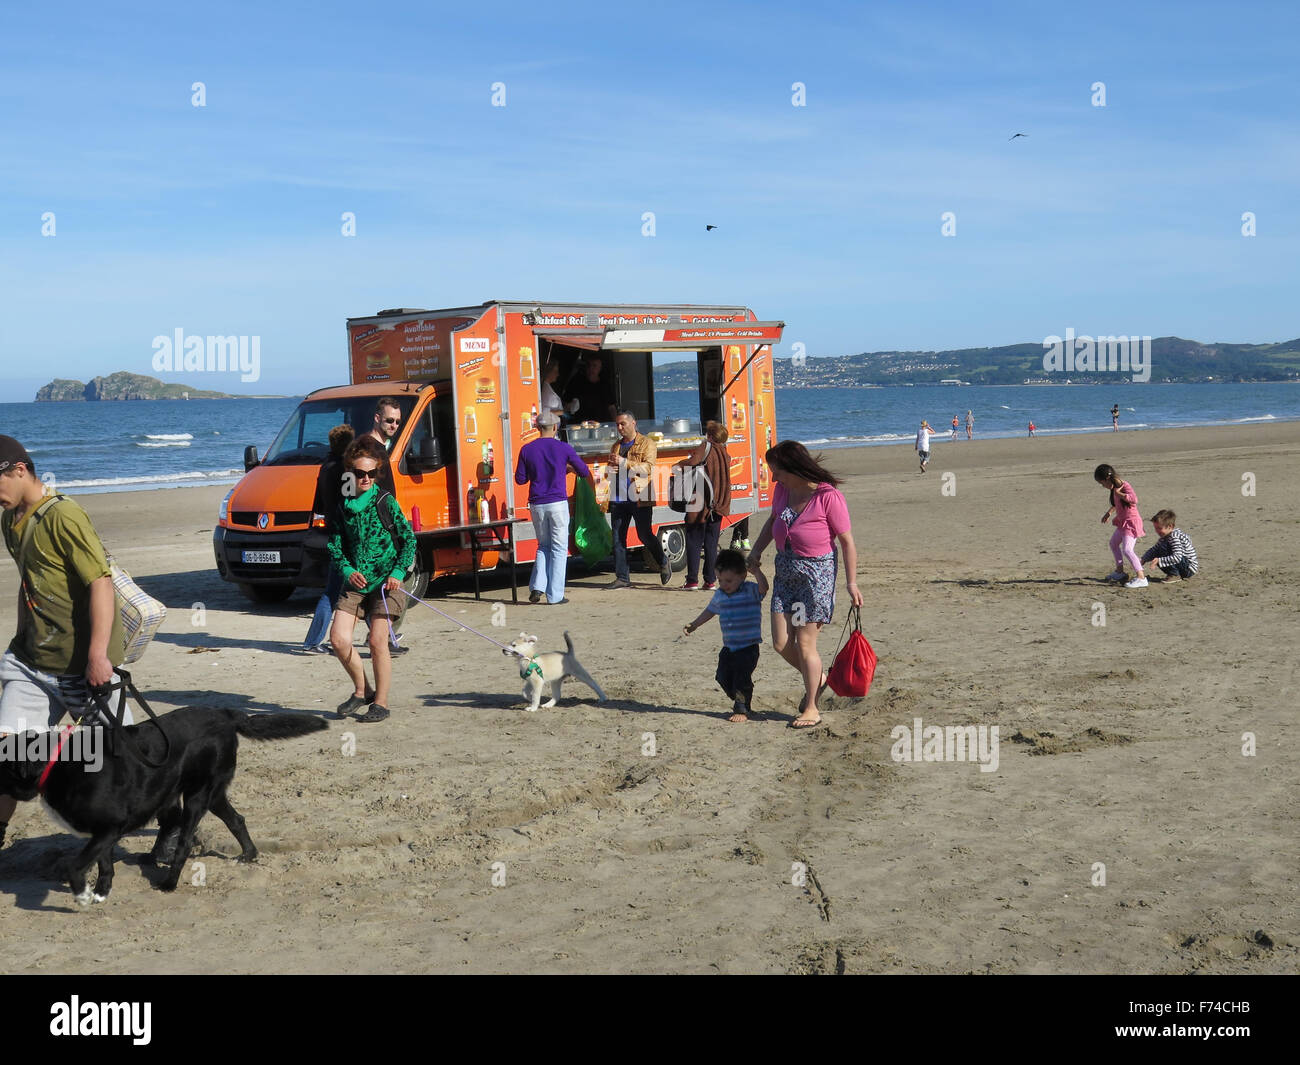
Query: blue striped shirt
x,y
740,615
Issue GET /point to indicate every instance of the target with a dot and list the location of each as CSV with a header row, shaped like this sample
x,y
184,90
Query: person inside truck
x,y
595,396
550,399
388,419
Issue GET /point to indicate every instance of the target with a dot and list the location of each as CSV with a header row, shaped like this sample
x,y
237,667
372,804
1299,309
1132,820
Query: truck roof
x,y
371,388
553,305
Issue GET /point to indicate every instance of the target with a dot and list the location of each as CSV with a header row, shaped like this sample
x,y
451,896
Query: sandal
x,y
353,704
375,713
799,724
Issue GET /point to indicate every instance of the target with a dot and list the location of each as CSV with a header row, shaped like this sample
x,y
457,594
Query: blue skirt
x,y
810,581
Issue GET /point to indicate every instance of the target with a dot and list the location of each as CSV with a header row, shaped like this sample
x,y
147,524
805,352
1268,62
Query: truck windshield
x,y
304,440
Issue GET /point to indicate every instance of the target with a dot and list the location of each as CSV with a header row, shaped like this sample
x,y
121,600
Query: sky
x,y
830,202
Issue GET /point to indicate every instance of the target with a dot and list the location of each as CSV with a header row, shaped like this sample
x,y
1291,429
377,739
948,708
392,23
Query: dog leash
x,y
102,708
45,773
461,624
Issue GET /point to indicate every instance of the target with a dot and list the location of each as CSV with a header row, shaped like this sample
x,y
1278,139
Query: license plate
x,y
261,556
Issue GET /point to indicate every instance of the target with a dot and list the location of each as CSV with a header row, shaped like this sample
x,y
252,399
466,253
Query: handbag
x,y
855,662
679,497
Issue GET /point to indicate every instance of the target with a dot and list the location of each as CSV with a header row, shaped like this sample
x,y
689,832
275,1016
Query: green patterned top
x,y
361,544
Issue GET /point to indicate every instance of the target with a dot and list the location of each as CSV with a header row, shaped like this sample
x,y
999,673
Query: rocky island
x,y
121,385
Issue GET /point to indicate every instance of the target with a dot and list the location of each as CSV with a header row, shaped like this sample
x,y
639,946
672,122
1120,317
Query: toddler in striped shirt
x,y
1173,552
738,606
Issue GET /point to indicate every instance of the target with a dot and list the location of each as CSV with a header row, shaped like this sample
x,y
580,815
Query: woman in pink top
x,y
809,515
1127,522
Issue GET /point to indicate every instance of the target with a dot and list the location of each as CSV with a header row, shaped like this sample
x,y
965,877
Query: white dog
x,y
550,668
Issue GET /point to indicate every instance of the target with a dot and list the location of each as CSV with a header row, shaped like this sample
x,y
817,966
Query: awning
x,y
587,339
691,336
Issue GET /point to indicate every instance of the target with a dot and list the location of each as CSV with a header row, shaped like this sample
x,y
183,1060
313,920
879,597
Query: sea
x,y
112,446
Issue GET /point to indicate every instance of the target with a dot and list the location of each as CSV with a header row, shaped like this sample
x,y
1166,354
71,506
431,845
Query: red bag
x,y
855,663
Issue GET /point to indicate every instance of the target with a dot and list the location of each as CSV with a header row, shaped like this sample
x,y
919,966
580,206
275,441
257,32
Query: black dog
x,y
125,794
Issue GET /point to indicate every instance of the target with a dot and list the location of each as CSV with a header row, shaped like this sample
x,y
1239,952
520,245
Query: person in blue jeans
x,y
543,465
329,483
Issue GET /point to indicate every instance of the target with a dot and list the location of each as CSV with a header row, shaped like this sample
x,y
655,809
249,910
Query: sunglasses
x,y
392,421
364,475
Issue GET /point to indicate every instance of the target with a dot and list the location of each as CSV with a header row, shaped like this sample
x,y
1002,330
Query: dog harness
x,y
532,667
45,773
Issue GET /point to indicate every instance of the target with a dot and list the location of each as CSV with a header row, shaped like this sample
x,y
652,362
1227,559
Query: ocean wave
x,y
169,436
163,443
171,480
840,441
1260,418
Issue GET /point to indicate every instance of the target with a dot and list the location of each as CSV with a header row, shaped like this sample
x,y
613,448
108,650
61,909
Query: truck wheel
x,y
673,540
267,593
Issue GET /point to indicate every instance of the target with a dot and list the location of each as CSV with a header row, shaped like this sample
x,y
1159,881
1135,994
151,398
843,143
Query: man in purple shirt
x,y
543,466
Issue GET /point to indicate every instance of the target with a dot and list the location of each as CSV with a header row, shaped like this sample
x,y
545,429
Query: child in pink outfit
x,y
1127,522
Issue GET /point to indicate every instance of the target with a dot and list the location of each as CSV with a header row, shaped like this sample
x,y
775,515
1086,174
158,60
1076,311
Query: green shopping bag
x,y
591,532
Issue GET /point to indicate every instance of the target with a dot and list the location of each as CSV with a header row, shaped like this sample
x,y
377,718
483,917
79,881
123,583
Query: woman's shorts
x,y
370,605
809,581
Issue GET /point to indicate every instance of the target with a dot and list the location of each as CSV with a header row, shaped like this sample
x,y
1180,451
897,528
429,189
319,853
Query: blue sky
x,y
225,219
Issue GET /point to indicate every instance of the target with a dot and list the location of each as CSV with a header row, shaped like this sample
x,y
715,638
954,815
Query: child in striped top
x,y
737,604
1173,552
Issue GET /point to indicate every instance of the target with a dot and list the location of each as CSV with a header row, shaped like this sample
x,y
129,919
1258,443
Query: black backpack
x,y
385,518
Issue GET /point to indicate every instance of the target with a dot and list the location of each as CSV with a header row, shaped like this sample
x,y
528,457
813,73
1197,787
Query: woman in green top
x,y
374,555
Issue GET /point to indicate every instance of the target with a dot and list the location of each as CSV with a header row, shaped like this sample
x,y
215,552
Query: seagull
x,y
708,227
1013,137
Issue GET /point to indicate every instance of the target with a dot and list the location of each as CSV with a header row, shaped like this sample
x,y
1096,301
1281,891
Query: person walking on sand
x,y
970,425
1032,427
809,516
374,552
69,637
1114,418
1127,522
738,605
954,428
923,443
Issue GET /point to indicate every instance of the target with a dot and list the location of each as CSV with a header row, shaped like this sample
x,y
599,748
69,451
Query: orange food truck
x,y
468,383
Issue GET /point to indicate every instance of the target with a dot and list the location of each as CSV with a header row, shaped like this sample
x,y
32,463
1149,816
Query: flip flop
x,y
799,725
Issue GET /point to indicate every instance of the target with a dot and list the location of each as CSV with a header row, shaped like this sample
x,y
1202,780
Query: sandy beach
x,y
646,834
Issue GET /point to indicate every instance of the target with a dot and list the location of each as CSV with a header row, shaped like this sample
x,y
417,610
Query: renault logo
x,y
263,520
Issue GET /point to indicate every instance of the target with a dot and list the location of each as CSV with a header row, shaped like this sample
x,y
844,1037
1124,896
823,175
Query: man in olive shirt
x,y
69,634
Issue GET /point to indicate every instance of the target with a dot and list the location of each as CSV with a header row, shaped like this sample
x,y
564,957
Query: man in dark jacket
x,y
329,489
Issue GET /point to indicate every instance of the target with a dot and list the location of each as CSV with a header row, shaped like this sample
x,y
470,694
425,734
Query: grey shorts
x,y
34,701
925,456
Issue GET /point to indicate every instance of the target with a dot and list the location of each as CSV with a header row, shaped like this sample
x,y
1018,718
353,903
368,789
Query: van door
x,y
427,471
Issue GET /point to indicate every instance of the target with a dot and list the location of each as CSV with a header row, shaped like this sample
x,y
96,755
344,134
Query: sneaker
x,y
1117,575
692,586
534,597
375,713
743,545
620,583
665,571
711,586
1137,582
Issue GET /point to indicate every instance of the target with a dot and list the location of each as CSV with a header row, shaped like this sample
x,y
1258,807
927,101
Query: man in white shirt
x,y
923,443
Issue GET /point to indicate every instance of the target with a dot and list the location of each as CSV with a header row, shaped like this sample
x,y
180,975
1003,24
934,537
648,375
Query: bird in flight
x,y
1013,137
708,227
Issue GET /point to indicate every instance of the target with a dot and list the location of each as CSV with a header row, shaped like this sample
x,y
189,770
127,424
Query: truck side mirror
x,y
250,457
428,457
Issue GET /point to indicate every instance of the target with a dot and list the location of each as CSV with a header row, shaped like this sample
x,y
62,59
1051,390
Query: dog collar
x,y
532,667
45,773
